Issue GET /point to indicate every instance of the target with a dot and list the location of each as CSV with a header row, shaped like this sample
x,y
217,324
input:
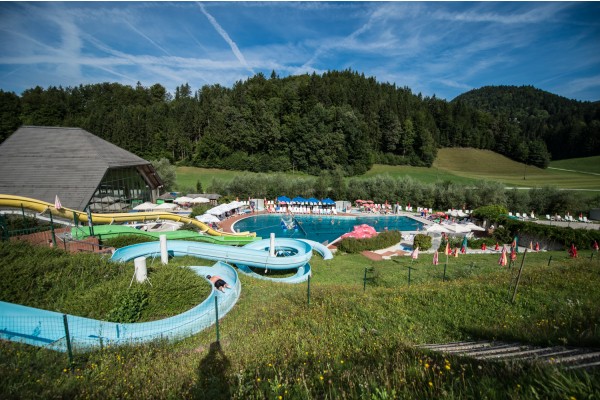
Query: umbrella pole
x,y
445,265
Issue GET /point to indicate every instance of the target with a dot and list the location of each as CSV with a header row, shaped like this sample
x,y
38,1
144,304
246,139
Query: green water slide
x,y
112,231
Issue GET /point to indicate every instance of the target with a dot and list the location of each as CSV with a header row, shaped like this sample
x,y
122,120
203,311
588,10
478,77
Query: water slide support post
x,y
272,245
217,317
164,255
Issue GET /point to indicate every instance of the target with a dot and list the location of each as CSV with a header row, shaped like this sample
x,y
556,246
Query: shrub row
x,y
381,241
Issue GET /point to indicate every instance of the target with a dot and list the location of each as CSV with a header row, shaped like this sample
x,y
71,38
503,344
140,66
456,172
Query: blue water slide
x,y
47,328
255,254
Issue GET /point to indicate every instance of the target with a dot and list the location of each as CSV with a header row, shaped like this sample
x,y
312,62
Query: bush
x,y
130,305
423,242
490,213
381,241
561,235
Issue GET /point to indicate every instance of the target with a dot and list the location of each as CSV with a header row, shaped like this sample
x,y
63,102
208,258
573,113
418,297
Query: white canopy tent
x,y
207,218
223,208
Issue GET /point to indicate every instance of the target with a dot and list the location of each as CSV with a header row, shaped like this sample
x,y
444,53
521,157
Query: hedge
x,y
381,241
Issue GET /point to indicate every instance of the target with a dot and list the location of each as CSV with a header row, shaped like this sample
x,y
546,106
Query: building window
x,y
121,189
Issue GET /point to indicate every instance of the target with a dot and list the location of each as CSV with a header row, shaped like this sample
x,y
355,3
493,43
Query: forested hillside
x,y
569,128
336,121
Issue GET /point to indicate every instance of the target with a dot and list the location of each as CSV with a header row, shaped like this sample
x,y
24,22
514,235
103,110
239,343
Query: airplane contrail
x,y
236,51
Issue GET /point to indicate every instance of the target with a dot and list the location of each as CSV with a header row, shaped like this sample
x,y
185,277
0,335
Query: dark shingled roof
x,y
42,162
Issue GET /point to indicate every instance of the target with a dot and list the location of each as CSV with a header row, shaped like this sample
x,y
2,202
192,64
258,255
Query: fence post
x,y
308,291
519,277
365,281
23,214
68,338
52,230
549,260
217,317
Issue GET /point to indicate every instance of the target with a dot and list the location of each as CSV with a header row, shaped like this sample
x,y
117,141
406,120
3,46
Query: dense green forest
x,y
568,127
336,121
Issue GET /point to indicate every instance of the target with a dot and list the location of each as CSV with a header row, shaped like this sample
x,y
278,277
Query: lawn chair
x,y
510,214
518,215
548,217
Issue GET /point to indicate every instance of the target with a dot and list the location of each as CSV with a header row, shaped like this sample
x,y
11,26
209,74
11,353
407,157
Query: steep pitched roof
x,y
42,162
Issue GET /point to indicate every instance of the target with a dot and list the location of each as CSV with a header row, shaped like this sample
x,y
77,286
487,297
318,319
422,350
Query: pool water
x,y
321,228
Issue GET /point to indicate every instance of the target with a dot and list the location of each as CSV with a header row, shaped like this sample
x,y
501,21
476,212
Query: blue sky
x,y
441,48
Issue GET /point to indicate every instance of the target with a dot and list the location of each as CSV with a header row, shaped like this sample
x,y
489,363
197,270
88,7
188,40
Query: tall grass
x,y
348,343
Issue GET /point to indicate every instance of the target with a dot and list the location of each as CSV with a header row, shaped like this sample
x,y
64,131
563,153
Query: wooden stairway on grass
x,y
567,357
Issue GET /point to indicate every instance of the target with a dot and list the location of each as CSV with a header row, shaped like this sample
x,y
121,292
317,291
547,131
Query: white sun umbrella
x,y
183,199
200,200
459,228
437,228
474,227
207,218
166,206
147,206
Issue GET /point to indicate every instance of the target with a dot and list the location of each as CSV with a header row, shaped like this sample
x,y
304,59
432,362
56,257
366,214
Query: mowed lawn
x,y
585,164
461,165
485,164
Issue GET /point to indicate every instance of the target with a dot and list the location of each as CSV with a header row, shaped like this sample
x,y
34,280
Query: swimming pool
x,y
321,228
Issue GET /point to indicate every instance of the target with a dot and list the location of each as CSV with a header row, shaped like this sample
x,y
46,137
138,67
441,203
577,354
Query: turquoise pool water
x,y
321,228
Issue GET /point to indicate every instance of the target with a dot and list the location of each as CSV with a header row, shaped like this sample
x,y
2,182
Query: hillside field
x,y
461,165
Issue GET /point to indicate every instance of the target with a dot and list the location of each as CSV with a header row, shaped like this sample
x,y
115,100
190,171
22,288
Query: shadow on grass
x,y
212,375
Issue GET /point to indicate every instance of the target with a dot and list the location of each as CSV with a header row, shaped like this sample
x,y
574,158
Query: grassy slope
x,y
456,165
585,164
485,164
347,343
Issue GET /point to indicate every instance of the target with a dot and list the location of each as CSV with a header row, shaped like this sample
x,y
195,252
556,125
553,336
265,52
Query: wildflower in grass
x,y
448,366
426,366
342,361
430,384
321,377
257,379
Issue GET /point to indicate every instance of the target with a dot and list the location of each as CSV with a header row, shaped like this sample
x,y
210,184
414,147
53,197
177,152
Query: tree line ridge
x,y
340,120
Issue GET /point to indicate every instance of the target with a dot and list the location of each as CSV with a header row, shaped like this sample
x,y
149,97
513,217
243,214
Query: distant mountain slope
x,y
569,128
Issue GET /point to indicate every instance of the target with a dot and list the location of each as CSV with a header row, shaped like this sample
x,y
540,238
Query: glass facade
x,y
121,189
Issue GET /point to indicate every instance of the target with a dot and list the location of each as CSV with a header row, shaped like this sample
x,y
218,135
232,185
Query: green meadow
x,y
456,165
343,339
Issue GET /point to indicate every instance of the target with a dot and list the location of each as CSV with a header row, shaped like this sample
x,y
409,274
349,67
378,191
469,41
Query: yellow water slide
x,y
39,206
